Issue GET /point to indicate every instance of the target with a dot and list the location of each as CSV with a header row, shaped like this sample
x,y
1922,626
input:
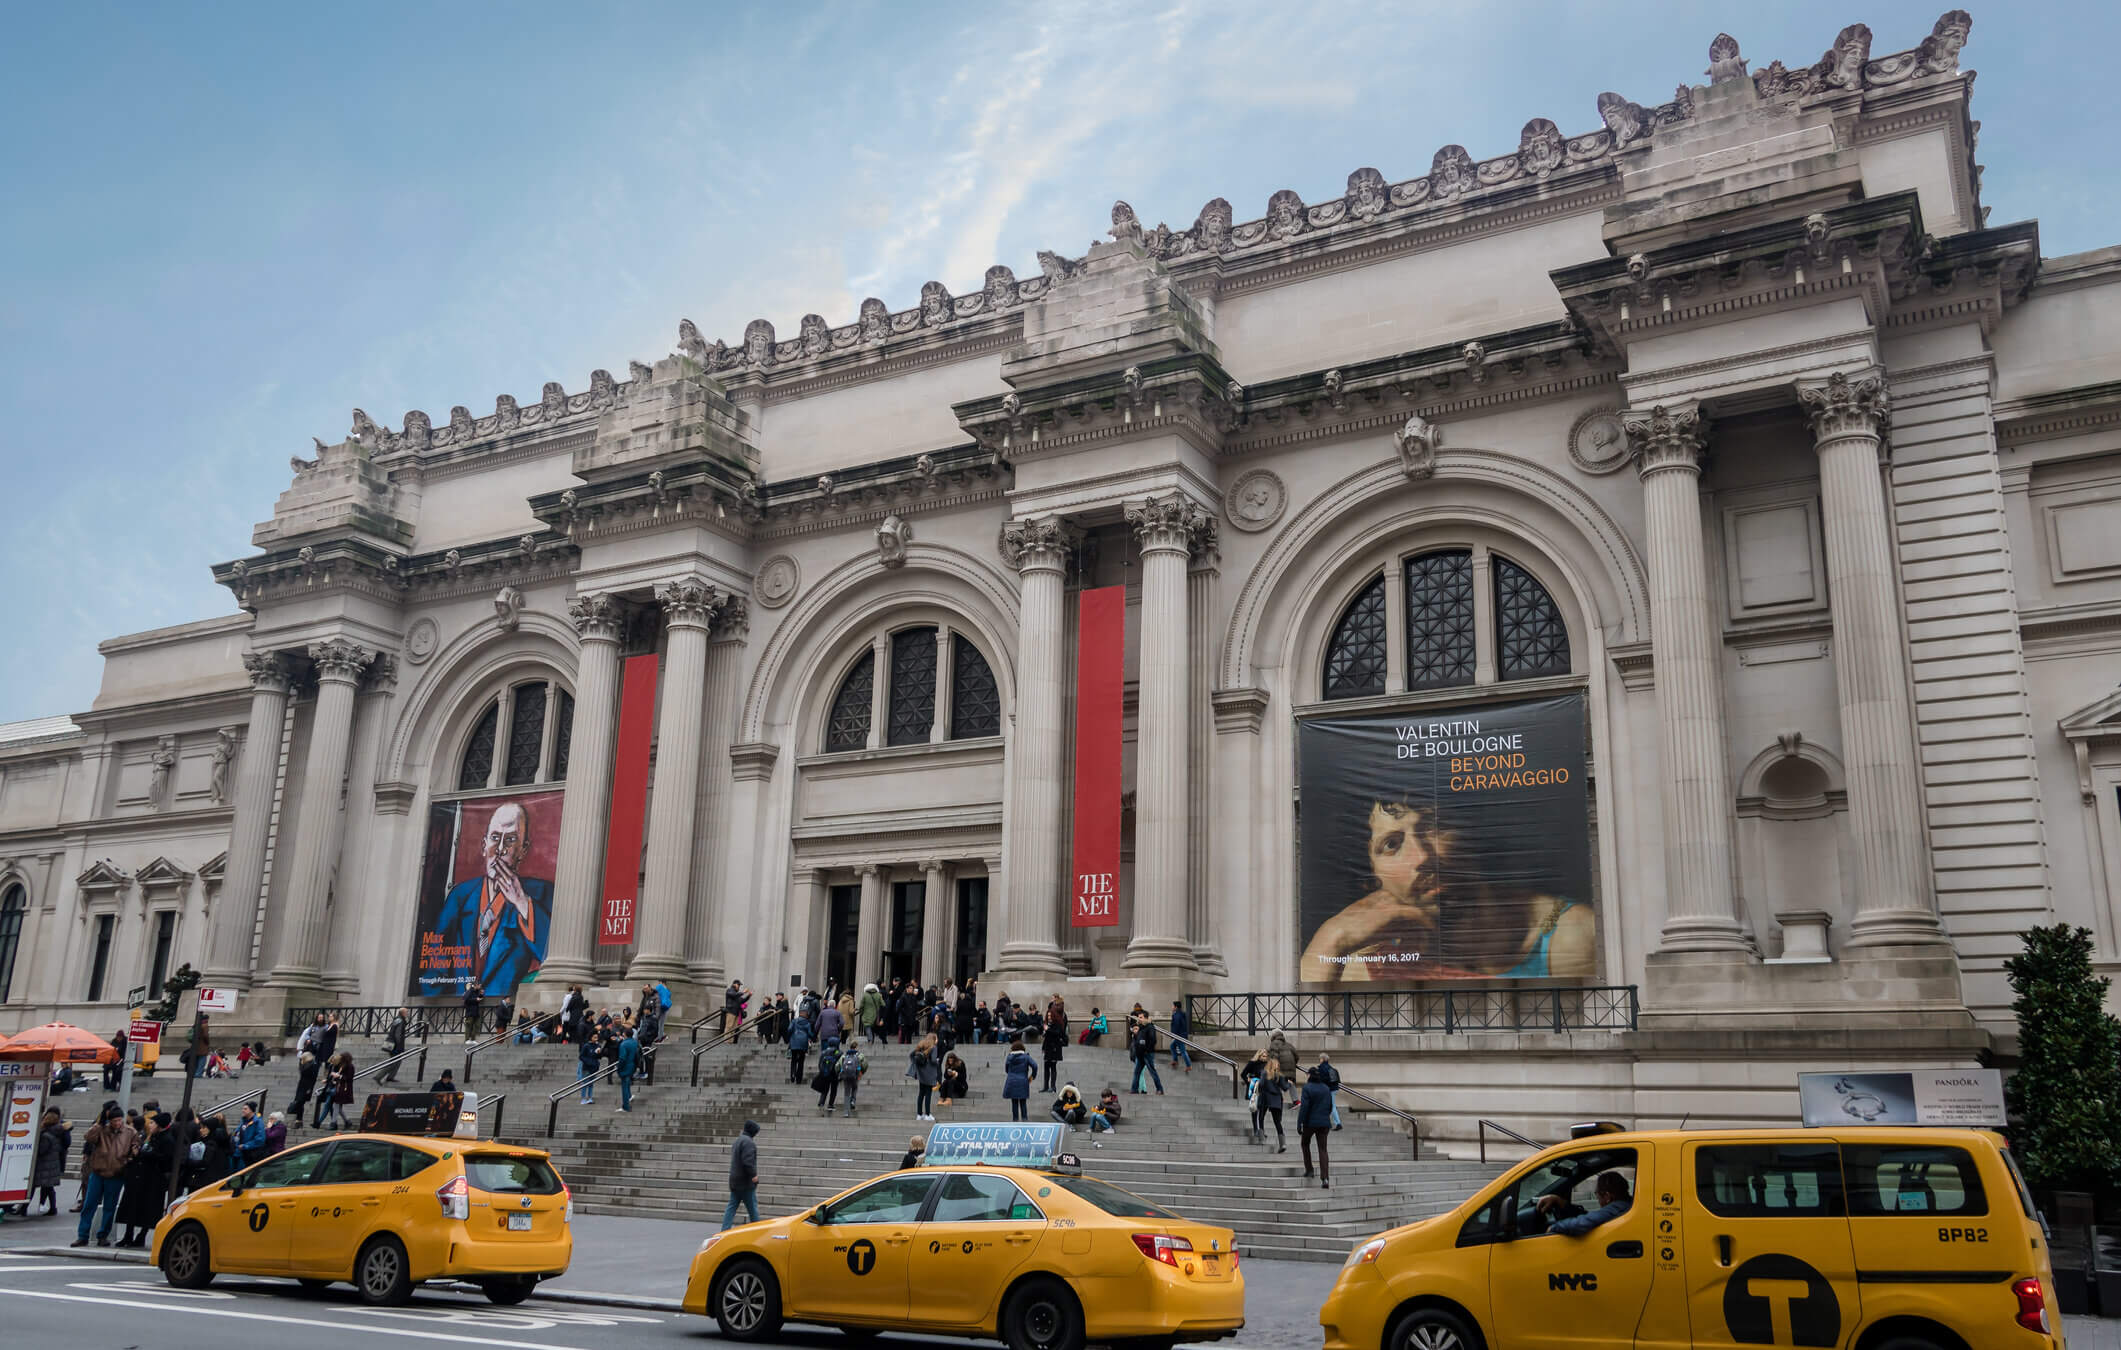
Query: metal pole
x,y
552,1117
183,1151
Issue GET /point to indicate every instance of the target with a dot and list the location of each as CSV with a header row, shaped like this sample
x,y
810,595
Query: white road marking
x,y
159,1289
507,1319
74,1266
308,1323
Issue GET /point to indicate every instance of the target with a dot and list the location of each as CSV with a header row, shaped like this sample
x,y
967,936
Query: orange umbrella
x,y
59,1042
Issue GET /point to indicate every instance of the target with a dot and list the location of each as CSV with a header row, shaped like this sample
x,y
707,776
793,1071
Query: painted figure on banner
x,y
1464,839
486,896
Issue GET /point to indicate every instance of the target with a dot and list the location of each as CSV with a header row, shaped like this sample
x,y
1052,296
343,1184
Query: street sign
x,y
144,1032
136,996
217,1000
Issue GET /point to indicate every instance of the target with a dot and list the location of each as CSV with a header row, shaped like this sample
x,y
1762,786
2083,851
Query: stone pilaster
x,y
339,666
578,885
704,959
1700,910
1037,756
935,921
1895,900
1200,749
869,924
690,607
945,686
1166,528
879,690
236,917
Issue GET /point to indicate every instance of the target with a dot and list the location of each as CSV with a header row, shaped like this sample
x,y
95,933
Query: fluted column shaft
x,y
935,921
704,939
689,610
339,665
1700,911
1166,527
1031,908
869,925
236,916
579,883
1849,418
1201,925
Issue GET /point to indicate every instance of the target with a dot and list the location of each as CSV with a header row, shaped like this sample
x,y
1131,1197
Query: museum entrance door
x,y
842,936
970,953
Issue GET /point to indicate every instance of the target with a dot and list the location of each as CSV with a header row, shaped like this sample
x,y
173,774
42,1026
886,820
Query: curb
x,y
126,1256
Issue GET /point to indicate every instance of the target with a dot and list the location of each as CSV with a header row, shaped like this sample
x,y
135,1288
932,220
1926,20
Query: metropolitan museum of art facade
x,y
1677,557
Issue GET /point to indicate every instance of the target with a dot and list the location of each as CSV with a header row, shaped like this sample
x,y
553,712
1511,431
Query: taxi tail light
x,y
2032,1305
1159,1247
455,1198
567,1205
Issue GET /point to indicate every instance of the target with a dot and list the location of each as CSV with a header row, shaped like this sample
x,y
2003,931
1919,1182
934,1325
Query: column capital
x,y
690,603
1666,438
1847,405
268,672
383,674
733,624
870,869
597,617
1040,544
338,659
1171,523
933,865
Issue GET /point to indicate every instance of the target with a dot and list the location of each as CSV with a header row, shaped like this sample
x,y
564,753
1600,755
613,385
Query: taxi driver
x,y
1611,1189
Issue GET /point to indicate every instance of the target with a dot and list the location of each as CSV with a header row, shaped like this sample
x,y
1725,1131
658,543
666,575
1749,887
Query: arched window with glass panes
x,y
519,738
914,686
1444,618
14,908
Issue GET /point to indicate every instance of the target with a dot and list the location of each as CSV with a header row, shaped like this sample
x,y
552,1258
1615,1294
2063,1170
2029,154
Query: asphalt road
x,y
99,1305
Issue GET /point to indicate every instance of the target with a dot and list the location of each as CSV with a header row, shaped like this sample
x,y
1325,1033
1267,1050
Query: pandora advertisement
x,y
1446,845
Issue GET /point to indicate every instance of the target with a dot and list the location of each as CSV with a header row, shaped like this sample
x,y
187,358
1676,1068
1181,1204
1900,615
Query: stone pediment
x,y
162,873
103,875
214,867
2095,721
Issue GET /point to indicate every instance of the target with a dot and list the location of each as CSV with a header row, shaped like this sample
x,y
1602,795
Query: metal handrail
x,y
728,1037
223,1108
499,1101
419,1070
1413,1125
718,1014
472,1048
553,1099
1505,1132
1450,1010
1237,1071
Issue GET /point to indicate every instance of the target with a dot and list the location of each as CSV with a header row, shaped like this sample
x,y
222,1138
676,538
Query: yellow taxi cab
x,y
1872,1238
385,1210
996,1234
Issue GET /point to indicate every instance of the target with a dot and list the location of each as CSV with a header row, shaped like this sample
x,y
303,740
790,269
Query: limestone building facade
x,y
1732,416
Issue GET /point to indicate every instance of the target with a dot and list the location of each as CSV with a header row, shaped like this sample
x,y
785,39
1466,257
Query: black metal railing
x,y
498,1103
1507,1133
234,1103
605,1074
472,1049
1490,1008
758,1024
1237,1074
440,1020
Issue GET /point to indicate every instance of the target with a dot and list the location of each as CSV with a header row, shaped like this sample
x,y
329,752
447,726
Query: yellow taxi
x,y
996,1234
384,1210
1868,1237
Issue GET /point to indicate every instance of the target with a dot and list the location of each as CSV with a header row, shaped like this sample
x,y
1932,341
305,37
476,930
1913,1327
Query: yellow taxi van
x,y
996,1234
1870,1238
382,1209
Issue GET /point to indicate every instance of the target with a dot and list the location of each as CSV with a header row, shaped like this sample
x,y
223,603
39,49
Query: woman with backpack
x,y
851,1070
827,1081
925,1067
1017,1069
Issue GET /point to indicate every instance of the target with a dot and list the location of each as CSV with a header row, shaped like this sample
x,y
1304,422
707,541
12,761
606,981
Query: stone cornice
x,y
1187,393
2064,413
364,568
1239,711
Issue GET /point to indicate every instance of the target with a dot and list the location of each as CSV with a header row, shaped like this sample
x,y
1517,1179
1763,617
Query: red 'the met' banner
x,y
1101,646
629,802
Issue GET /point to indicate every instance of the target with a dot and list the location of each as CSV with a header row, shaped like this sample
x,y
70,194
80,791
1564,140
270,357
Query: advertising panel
x,y
1446,844
1028,1144
485,892
1966,1098
24,1103
629,802
1100,679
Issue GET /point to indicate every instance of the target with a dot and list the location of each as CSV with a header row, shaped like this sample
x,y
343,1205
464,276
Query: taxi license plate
x,y
519,1223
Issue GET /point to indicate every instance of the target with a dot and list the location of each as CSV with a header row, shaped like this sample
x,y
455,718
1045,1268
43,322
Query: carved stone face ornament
x,y
1367,195
1211,232
816,337
1724,61
876,321
1285,215
758,342
936,309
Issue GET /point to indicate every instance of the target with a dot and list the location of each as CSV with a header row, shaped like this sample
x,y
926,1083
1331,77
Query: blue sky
x,y
226,226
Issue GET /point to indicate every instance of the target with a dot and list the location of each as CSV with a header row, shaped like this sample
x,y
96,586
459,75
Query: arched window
x,y
914,691
14,903
1457,627
1355,657
535,750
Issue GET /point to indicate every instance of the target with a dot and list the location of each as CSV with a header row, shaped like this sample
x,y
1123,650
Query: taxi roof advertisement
x,y
1019,1145
1966,1098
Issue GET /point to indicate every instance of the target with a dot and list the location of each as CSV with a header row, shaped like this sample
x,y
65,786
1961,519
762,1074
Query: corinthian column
x,y
1166,527
236,917
1849,418
704,941
578,883
1031,908
1700,914
869,924
936,911
689,610
339,665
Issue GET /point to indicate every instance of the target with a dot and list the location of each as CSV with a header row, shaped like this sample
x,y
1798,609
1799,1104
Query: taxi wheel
x,y
187,1258
747,1301
508,1293
1042,1315
382,1273
314,1287
1431,1329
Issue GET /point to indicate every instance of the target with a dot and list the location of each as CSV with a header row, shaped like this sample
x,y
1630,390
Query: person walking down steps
x,y
743,1177
1016,1079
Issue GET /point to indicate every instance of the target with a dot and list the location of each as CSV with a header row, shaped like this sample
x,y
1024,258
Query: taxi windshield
x,y
1111,1199
507,1175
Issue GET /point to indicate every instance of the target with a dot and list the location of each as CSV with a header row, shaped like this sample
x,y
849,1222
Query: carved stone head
x,y
936,308
876,321
1540,147
365,431
758,342
460,423
1724,61
816,337
999,288
1940,50
554,398
1125,224
1366,193
1285,215
1211,229
601,386
1843,62
1451,172
419,432
1622,118
505,412
689,340
892,537
1417,446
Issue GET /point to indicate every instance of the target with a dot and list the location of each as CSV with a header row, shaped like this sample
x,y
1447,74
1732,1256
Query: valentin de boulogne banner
x,y
1446,844
485,892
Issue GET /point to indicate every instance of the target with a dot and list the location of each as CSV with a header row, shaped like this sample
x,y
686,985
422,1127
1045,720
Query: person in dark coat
x,y
914,1151
827,1081
55,1139
925,1068
1143,1048
307,1068
1268,1101
275,1135
394,1042
956,1086
587,1061
147,1183
798,1048
1017,1069
962,1014
743,1177
1053,1048
1314,1120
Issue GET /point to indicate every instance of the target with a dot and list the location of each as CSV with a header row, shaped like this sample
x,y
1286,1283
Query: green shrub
x,y
2065,1098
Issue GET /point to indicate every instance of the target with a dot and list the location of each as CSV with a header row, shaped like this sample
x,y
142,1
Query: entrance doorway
x,y
842,934
971,929
902,950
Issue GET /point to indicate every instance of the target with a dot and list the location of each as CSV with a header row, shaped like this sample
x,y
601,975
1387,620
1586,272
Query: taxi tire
x,y
187,1258
314,1287
382,1274
1042,1314
509,1291
751,1281
1431,1329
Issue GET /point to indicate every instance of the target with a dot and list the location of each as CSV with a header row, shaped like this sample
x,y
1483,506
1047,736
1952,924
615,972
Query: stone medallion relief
x,y
777,581
1597,442
421,640
1257,499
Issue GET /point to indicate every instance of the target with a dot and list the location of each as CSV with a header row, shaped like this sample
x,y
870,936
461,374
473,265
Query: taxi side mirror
x,y
821,1215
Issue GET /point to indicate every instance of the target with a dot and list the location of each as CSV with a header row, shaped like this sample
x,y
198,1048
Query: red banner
x,y
1100,656
629,802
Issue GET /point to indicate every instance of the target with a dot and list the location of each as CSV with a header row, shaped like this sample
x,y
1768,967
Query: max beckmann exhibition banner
x,y
1448,844
1100,654
485,892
